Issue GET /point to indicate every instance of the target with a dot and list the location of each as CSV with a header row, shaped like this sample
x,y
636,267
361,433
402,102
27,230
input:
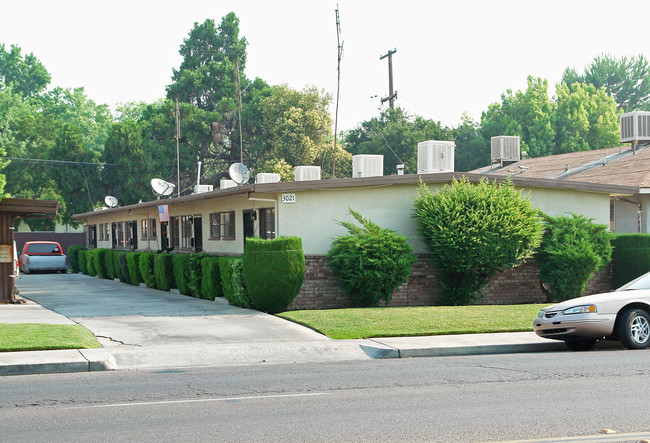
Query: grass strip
x,y
39,336
417,321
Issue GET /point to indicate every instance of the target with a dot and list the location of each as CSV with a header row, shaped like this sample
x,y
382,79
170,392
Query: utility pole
x,y
338,86
178,157
391,95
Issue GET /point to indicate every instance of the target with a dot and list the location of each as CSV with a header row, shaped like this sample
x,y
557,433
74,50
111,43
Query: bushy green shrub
x,y
181,272
211,278
124,267
163,269
109,260
273,271
91,262
233,283
83,260
195,274
631,257
572,251
146,269
100,263
370,262
473,231
73,257
116,265
133,265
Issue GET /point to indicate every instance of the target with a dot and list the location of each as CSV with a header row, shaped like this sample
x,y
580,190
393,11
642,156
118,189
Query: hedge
x,y
146,268
132,263
100,262
123,267
274,271
181,272
116,265
232,280
163,271
110,264
83,260
73,257
91,265
211,278
631,257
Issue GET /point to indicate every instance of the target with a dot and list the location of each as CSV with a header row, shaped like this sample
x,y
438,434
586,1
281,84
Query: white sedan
x,y
623,314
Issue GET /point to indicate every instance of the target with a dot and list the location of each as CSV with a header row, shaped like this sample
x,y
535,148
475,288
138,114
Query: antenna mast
x,y
338,86
178,157
391,95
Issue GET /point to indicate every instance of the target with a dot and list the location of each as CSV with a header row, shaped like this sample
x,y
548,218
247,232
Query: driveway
x,y
148,328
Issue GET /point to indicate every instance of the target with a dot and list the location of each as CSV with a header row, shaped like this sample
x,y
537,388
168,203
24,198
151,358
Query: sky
x,y
452,56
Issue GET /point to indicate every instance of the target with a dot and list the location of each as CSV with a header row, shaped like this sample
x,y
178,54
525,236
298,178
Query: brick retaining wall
x,y
518,285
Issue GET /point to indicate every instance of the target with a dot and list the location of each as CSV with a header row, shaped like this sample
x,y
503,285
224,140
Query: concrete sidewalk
x,y
144,328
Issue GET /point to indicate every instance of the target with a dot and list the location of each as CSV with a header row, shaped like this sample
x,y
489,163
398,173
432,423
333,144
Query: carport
x,y
10,210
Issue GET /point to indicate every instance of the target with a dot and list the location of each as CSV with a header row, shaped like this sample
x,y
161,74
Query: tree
x,y
395,134
626,80
129,180
573,250
473,231
585,119
25,76
472,150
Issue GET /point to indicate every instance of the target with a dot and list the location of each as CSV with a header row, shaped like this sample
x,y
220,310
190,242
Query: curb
x,y
53,362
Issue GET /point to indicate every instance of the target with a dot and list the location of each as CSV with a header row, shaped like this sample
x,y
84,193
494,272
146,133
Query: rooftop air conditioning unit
x,y
367,165
306,173
225,184
505,148
267,177
435,156
199,189
635,127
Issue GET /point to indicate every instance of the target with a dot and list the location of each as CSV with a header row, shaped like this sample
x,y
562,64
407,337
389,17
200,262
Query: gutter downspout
x,y
276,210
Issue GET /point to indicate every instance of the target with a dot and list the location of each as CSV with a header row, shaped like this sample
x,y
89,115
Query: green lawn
x,y
38,336
405,322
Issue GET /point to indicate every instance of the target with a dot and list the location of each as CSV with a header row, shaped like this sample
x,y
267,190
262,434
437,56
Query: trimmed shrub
x,y
195,274
273,271
370,262
116,265
83,260
100,263
109,261
211,278
473,231
233,283
132,263
124,267
73,257
91,262
631,257
163,269
146,268
572,251
181,272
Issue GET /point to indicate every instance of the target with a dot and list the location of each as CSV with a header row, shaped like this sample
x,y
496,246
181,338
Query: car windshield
x,y
642,282
43,248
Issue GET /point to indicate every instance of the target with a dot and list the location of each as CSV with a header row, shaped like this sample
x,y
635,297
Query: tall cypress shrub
x,y
181,273
146,269
73,257
164,271
274,271
132,263
211,278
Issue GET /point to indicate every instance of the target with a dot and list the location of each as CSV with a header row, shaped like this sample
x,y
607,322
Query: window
x,y
267,223
152,229
144,228
222,225
107,231
100,232
186,231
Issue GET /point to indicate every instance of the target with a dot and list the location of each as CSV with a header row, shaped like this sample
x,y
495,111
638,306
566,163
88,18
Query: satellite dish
x,y
239,173
110,201
161,187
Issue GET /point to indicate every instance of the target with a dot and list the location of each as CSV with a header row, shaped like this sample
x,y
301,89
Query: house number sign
x,y
288,198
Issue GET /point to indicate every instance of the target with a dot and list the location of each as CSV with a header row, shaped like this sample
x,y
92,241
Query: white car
x,y
623,314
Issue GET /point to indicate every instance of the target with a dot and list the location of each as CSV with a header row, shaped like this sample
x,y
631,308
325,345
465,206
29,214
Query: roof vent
x,y
505,149
367,165
306,173
225,184
635,127
267,177
435,156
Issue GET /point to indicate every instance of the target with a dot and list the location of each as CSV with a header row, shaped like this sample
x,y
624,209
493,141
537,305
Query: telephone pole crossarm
x,y
392,95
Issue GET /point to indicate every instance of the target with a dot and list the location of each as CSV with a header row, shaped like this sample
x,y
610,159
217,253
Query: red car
x,y
42,256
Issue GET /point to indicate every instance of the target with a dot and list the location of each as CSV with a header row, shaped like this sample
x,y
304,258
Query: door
x,y
114,234
249,224
164,240
198,233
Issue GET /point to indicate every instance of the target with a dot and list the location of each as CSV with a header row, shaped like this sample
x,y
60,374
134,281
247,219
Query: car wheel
x,y
634,329
581,345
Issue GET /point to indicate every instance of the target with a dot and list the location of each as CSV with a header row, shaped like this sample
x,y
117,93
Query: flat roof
x,y
368,182
28,208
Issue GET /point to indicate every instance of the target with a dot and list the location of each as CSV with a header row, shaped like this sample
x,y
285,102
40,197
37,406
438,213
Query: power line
x,y
61,162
